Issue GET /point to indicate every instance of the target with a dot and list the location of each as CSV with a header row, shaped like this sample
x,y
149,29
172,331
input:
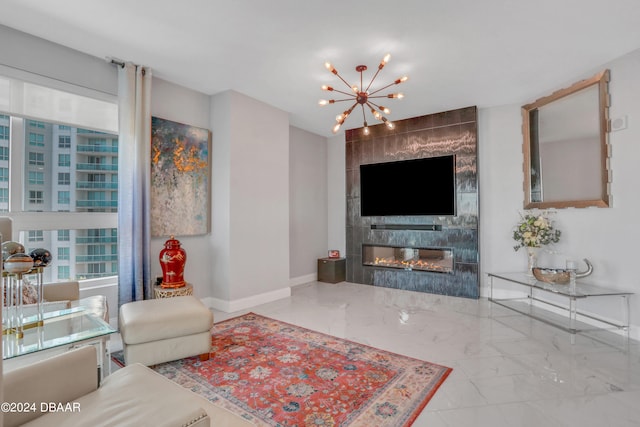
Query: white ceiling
x,y
457,53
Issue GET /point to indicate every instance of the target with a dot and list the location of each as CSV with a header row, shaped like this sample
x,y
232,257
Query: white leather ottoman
x,y
160,330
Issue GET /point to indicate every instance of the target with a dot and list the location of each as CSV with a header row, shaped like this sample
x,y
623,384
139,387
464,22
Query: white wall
x,y
250,201
308,229
182,105
607,237
337,203
219,266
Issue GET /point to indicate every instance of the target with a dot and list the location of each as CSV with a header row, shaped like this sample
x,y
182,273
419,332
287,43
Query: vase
x,y
172,260
532,259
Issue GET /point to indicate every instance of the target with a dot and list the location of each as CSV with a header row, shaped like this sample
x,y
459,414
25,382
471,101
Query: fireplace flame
x,y
413,264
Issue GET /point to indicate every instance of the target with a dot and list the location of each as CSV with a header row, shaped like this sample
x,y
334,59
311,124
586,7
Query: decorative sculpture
x,y
172,260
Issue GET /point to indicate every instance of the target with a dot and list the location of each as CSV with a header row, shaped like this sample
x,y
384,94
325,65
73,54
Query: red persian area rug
x,y
276,374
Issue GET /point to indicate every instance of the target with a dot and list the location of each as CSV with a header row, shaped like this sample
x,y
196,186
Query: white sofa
x,y
132,396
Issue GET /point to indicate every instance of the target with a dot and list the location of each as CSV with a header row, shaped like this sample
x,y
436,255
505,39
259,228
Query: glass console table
x,y
531,301
62,330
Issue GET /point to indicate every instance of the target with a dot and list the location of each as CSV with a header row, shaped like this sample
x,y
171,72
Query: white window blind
x,y
29,100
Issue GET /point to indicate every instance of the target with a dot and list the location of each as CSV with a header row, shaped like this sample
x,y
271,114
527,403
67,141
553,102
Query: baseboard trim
x,y
301,280
247,302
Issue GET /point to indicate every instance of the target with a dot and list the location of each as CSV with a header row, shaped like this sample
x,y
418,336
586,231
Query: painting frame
x,y
180,179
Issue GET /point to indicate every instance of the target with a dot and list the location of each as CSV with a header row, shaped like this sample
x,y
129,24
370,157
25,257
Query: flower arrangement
x,y
534,231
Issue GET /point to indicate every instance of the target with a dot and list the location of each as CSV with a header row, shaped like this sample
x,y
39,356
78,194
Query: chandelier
x,y
360,95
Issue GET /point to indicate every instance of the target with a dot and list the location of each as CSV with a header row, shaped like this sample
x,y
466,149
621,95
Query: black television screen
x,y
410,187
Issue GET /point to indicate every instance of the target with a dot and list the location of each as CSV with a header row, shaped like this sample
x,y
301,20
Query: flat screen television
x,y
410,187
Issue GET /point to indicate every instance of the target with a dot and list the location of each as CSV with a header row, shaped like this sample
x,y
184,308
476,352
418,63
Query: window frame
x,y
24,221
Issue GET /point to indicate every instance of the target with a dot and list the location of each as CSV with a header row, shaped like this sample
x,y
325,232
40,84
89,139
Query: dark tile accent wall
x,y
449,132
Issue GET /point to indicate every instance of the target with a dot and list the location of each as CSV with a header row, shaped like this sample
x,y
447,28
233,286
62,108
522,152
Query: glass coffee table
x,y
62,330
543,301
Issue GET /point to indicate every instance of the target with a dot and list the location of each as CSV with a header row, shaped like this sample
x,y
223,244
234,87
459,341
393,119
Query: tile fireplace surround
x,y
450,132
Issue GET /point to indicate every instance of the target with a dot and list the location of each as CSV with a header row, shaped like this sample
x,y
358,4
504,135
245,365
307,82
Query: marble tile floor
x,y
508,369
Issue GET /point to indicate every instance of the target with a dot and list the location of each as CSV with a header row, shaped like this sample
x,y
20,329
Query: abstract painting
x,y
180,179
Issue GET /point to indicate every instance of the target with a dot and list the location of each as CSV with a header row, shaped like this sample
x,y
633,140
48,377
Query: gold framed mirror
x,y
566,147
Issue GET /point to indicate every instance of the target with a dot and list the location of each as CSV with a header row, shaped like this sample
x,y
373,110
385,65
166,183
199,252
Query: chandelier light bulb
x,y
336,128
340,118
384,61
325,87
323,102
402,79
388,123
366,128
330,67
385,110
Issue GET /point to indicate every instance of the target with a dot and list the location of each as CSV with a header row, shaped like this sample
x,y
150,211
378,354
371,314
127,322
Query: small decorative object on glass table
x,y
534,231
17,291
560,276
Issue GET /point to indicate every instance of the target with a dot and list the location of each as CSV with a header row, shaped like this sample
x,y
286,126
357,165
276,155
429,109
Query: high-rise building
x,y
66,169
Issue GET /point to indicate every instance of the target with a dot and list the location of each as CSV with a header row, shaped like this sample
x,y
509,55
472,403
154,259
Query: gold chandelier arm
x,y
381,89
342,100
375,113
345,93
350,110
380,107
380,67
396,82
372,79
391,95
343,80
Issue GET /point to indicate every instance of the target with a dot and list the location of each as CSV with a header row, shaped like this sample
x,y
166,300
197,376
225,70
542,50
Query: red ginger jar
x,y
172,260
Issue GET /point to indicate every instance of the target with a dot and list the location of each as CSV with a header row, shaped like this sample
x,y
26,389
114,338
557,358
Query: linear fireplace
x,y
407,238
407,258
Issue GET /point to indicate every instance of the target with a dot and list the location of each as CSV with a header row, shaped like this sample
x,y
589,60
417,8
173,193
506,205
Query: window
x,y
36,139
64,197
64,160
63,272
64,178
36,178
36,197
36,159
36,236
4,200
36,124
64,141
97,141
96,233
96,269
54,176
63,254
96,195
